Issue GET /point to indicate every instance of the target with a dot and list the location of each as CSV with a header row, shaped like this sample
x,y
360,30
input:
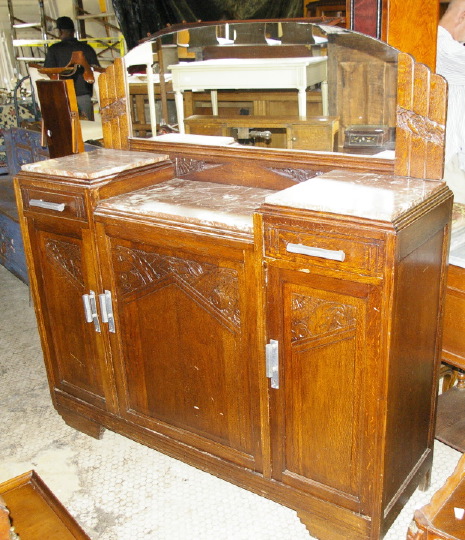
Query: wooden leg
x,y
318,527
425,483
81,423
460,380
448,375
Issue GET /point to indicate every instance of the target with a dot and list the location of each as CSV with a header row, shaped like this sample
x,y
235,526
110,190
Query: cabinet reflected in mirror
x,y
286,85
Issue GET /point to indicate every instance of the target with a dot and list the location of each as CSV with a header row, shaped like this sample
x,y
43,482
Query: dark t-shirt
x,y
59,55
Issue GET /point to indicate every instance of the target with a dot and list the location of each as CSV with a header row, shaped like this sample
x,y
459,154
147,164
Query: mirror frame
x,y
420,123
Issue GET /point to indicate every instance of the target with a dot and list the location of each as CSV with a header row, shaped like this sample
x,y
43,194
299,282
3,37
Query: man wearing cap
x,y
59,55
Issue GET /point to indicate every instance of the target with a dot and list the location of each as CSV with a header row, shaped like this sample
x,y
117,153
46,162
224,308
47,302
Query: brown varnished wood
x,y
371,302
61,130
258,168
210,402
211,405
421,117
437,116
420,122
393,20
114,106
420,126
196,301
453,349
436,520
450,424
62,258
36,512
400,16
451,403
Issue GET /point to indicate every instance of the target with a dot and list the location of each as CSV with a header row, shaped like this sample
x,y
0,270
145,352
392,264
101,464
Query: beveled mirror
x,y
270,84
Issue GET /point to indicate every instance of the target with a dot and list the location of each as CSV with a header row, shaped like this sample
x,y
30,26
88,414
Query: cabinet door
x,y
187,353
64,268
320,413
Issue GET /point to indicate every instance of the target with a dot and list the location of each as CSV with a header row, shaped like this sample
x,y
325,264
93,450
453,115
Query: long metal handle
x,y
58,207
106,309
272,362
302,249
90,310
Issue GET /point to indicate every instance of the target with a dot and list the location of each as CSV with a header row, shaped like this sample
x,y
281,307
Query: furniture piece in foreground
x,y
444,517
250,73
141,276
201,298
450,427
36,513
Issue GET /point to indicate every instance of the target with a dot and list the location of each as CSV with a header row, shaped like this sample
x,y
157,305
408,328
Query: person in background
x,y
59,55
450,63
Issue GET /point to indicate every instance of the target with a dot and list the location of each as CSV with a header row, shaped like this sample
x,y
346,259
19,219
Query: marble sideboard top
x,y
201,203
365,195
94,164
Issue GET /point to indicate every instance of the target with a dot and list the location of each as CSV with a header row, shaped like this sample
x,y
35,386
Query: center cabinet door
x,y
324,406
186,339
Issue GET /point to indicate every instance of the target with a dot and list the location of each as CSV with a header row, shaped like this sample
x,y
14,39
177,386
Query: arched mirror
x,y
271,84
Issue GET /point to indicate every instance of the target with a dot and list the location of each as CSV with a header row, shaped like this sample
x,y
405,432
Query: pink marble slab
x,y
204,203
94,164
365,195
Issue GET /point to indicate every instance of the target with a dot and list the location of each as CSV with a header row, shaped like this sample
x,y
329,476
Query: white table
x,y
248,74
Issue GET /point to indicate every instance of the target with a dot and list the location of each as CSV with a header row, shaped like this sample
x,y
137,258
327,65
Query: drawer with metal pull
x,y
334,249
54,203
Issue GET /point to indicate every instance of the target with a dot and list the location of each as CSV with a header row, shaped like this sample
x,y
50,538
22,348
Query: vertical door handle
x,y
90,310
106,308
272,362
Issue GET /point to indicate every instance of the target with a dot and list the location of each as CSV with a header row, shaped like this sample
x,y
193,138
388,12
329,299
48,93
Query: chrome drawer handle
x,y
316,252
59,207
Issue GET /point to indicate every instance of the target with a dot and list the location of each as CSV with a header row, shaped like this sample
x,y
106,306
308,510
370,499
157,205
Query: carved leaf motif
x,y
113,110
420,126
314,317
219,288
297,175
186,165
67,258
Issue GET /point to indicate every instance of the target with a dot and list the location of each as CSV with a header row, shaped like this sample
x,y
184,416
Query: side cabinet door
x,y
65,272
187,364
321,411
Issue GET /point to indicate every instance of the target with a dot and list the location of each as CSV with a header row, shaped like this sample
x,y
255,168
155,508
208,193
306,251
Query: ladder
x,y
107,47
30,39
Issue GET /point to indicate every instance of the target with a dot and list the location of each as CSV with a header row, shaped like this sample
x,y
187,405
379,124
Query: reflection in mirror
x,y
269,84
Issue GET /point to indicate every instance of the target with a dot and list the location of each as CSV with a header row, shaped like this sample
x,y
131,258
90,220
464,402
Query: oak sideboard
x,y
286,340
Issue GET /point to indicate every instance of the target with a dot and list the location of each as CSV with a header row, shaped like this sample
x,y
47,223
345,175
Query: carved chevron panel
x,y
66,257
218,287
314,317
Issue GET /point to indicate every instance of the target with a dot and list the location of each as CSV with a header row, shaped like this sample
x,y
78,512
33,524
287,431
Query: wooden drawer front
x,y
53,203
359,255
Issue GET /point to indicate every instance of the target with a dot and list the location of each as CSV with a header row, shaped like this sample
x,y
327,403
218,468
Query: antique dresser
x,y
270,315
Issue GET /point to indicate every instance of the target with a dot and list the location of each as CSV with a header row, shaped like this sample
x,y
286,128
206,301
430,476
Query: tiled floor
x,y
118,489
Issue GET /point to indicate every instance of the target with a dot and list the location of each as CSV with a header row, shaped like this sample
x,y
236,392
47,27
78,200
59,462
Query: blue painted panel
x,y
12,249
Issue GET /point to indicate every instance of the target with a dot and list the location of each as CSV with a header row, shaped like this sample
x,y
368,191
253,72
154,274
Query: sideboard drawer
x,y
328,249
54,203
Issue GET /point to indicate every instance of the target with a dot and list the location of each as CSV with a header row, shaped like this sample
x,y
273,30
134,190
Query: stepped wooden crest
x,y
114,106
421,119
